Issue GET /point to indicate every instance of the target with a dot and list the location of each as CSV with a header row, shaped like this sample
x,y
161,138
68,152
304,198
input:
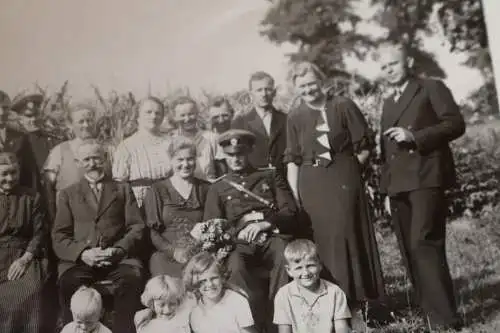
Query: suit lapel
x,y
256,123
108,196
88,196
277,123
394,110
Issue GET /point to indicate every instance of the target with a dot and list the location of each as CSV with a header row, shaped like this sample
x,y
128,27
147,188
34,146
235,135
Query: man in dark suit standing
x,y
96,232
266,122
419,119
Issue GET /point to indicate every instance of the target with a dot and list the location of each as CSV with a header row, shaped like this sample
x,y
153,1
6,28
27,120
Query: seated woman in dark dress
x,y
173,206
22,240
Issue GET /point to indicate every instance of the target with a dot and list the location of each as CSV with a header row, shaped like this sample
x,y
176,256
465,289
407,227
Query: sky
x,y
154,45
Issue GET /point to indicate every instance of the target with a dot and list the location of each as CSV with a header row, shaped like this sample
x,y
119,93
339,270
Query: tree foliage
x,y
410,21
465,28
325,31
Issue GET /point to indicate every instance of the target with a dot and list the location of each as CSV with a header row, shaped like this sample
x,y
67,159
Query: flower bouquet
x,y
214,236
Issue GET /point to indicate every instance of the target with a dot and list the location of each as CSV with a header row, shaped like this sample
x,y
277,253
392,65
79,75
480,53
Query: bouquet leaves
x,y
214,236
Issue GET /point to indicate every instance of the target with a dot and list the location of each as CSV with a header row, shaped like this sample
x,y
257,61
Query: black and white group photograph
x,y
249,166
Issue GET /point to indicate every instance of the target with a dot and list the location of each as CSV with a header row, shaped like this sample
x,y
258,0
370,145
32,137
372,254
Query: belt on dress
x,y
318,162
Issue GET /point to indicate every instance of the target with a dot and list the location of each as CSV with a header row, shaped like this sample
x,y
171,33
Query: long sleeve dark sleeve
x,y
451,124
38,220
213,205
134,223
284,218
154,221
64,243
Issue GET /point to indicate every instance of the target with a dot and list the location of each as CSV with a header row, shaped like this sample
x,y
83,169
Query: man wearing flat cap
x,y
18,143
260,206
29,112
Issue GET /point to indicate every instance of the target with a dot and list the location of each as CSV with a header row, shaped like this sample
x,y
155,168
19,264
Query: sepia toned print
x,y
267,165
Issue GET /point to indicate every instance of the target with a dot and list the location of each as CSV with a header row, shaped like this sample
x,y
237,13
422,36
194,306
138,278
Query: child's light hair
x,y
300,249
162,287
86,303
199,264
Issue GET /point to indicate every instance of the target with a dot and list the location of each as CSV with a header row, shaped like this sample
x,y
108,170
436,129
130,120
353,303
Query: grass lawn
x,y
473,252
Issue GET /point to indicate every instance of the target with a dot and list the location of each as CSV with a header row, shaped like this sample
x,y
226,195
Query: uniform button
x,y
411,151
246,195
410,127
243,183
392,157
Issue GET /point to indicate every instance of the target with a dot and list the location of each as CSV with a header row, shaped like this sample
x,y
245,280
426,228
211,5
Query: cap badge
x,y
234,142
30,105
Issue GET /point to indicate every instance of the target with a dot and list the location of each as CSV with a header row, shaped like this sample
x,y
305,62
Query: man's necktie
x,y
397,94
96,188
266,119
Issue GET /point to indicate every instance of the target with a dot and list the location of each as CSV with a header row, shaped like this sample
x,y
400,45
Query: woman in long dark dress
x,y
328,141
173,206
22,240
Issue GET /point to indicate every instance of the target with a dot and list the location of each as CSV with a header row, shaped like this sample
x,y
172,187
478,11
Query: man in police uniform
x,y
260,205
28,109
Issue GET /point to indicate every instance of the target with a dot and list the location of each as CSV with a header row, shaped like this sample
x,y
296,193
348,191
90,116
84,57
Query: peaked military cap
x,y
236,141
31,102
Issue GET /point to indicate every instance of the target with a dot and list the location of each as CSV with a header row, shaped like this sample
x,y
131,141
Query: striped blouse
x,y
141,159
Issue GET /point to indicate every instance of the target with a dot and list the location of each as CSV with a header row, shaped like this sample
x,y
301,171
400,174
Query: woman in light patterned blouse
x,y
142,158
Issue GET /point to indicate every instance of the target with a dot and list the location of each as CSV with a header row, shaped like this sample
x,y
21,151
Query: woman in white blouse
x,y
142,158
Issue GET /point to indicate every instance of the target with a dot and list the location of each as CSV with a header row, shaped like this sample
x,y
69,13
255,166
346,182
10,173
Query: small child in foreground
x,y
168,307
219,308
309,304
86,307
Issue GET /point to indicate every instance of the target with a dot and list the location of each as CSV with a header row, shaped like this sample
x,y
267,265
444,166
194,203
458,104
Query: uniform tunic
x,y
332,192
225,201
21,229
171,219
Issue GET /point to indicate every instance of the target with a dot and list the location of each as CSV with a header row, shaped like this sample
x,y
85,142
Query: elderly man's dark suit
x,y
268,149
82,222
415,176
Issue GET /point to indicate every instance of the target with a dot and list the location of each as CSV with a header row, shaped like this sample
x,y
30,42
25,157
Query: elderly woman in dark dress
x,y
22,239
328,142
173,206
